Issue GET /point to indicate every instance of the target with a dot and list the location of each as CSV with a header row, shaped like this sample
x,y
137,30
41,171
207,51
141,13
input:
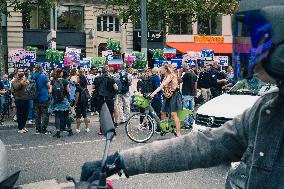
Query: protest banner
x,y
169,53
90,79
22,58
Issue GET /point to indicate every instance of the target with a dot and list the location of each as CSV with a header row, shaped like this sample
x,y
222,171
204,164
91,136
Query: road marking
x,y
51,146
11,145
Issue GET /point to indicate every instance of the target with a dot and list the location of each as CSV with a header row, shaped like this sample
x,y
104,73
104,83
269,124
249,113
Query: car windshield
x,y
251,86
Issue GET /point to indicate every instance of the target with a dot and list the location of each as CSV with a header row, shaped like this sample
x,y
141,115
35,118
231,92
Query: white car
x,y
223,108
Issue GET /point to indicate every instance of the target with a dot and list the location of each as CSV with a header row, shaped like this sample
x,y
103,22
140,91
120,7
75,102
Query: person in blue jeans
x,y
189,90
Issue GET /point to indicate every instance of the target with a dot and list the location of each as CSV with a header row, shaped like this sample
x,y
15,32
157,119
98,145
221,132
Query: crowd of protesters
x,y
66,95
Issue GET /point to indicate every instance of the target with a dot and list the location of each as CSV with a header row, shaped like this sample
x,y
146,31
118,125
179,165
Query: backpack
x,y
124,83
85,97
147,86
31,90
118,82
58,91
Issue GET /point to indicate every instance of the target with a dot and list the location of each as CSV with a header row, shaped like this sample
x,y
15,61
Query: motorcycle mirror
x,y
106,120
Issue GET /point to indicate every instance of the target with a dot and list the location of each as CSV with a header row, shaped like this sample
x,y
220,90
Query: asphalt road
x,y
45,161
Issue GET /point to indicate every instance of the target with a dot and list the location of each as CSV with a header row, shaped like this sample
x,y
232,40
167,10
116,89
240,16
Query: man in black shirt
x,y
218,80
189,90
106,89
204,83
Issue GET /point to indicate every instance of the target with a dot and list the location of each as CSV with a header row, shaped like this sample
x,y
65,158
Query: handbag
x,y
168,92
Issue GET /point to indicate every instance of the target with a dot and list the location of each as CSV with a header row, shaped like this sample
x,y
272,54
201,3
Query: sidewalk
x,y
9,123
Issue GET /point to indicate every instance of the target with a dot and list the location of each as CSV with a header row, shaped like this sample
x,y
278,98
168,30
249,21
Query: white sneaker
x,y
87,130
77,130
92,113
30,122
22,131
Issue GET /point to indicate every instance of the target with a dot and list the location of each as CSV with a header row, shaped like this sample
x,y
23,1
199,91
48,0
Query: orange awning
x,y
197,47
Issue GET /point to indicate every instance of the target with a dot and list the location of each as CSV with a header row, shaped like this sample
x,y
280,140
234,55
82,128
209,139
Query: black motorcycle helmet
x,y
258,37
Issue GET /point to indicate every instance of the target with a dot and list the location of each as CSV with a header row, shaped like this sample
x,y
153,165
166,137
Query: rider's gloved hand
x,y
91,170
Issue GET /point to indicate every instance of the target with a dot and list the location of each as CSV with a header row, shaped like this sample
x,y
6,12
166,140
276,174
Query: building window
x,y
36,17
108,23
70,18
210,26
182,24
157,25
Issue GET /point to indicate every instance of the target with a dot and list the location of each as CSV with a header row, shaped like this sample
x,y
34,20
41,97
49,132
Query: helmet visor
x,y
252,40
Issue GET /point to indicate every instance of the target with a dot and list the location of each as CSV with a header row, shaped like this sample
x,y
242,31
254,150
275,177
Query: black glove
x,y
91,170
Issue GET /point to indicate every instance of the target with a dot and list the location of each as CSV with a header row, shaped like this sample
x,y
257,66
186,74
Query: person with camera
x,y
254,138
21,100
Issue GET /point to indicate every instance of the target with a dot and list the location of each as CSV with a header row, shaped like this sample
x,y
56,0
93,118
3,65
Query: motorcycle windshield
x,y
252,40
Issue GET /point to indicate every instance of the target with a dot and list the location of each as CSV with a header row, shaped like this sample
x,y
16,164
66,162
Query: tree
x,y
164,11
18,5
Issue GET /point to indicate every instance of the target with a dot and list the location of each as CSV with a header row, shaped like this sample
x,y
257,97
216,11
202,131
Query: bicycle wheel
x,y
140,127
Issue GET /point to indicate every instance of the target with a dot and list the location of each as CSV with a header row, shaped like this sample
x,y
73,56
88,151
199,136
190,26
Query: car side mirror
x,y
106,120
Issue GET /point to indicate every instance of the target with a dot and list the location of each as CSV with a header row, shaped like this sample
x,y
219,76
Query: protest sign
x,y
86,63
207,54
74,54
169,53
223,60
108,55
22,58
98,61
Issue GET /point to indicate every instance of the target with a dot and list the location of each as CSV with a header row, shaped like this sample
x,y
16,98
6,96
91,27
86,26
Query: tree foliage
x,y
24,4
164,11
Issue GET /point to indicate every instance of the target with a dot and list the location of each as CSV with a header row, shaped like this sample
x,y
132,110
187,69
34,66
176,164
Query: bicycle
x,y
140,127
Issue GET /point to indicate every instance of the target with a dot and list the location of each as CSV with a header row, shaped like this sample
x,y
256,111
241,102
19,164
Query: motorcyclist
x,y
255,138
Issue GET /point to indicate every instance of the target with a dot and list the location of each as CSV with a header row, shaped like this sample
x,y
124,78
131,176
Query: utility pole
x,y
144,30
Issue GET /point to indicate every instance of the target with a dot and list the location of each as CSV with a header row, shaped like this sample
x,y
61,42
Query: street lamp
x,y
144,27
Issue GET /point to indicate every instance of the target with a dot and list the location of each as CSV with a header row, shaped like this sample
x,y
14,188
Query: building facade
x,y
87,26
215,34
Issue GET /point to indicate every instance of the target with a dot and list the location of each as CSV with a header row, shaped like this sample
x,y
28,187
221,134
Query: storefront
x,y
155,41
221,45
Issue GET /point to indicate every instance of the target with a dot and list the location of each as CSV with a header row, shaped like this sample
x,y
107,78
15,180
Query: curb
x,y
15,126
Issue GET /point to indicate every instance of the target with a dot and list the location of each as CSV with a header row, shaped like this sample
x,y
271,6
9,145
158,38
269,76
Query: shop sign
x,y
208,39
153,36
